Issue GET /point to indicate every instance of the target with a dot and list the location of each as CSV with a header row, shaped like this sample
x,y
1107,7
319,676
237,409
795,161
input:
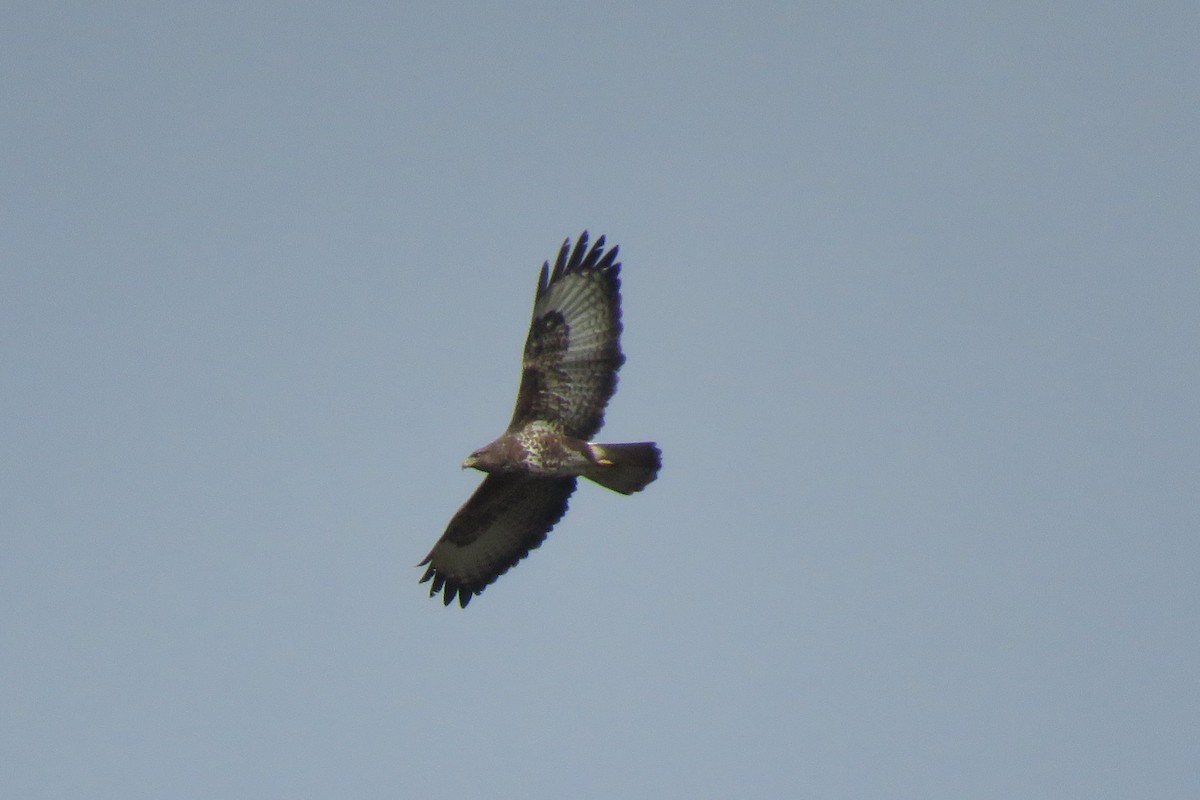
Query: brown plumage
x,y
569,373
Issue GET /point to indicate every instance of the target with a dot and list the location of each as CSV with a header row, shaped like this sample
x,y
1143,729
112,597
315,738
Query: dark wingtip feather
x,y
577,255
580,258
448,587
560,264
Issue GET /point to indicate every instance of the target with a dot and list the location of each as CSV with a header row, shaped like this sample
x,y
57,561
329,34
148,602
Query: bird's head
x,y
492,458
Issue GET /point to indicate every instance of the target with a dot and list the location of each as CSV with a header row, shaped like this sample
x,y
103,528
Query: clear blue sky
x,y
912,304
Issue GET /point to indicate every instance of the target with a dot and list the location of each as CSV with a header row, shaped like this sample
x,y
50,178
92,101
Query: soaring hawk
x,y
569,373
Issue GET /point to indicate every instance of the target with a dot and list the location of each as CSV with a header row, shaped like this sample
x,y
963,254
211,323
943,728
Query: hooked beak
x,y
470,461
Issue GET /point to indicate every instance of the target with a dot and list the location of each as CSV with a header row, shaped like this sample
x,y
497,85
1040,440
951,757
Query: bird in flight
x,y
569,372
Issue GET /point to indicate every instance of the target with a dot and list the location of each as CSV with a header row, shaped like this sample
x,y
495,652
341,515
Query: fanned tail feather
x,y
625,468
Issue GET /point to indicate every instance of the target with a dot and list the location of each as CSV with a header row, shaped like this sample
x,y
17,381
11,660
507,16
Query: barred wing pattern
x,y
573,350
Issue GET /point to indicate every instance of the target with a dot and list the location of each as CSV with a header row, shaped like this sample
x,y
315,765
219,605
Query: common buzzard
x,y
569,373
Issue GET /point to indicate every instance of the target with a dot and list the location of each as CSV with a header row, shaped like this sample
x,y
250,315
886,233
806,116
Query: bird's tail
x,y
625,468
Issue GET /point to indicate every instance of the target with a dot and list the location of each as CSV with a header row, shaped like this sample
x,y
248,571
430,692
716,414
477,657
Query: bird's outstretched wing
x,y
573,350
508,516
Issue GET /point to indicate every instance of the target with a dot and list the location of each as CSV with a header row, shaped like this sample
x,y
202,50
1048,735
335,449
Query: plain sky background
x,y
912,304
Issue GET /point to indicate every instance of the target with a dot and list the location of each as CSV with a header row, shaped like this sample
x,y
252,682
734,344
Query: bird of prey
x,y
569,372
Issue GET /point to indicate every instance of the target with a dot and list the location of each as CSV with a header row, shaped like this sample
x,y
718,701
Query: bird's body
x,y
569,373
